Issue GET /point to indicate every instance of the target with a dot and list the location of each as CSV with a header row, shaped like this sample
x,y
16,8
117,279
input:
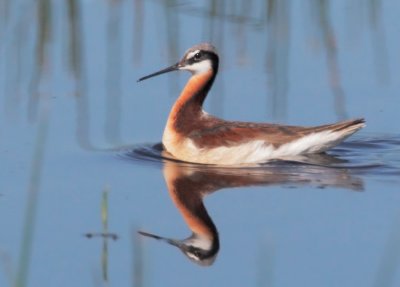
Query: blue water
x,y
81,171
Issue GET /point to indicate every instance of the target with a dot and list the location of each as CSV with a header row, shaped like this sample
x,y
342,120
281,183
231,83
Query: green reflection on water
x,y
33,197
273,17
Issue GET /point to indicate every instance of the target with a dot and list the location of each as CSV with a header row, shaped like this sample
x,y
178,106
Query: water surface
x,y
81,171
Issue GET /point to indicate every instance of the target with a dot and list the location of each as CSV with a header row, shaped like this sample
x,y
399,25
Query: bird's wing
x,y
225,133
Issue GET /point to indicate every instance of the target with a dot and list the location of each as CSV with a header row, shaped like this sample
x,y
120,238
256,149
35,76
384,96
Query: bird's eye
x,y
197,56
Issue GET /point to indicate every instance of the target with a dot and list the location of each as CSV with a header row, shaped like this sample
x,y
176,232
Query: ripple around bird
x,y
369,155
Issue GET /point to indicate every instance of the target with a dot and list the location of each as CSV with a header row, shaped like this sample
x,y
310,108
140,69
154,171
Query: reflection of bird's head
x,y
199,249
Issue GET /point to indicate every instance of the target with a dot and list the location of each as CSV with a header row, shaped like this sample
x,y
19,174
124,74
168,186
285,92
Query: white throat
x,y
198,68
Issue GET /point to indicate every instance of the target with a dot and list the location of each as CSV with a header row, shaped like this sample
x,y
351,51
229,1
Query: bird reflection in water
x,y
188,184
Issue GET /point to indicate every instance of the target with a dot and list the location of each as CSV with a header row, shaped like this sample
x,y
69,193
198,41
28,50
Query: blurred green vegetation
x,y
272,17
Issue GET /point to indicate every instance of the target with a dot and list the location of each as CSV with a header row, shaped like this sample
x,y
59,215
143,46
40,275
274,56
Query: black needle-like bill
x,y
163,71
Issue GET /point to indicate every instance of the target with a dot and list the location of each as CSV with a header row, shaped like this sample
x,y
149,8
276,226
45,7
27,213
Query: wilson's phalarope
x,y
192,135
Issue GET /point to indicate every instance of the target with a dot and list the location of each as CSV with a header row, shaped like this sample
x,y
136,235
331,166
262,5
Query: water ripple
x,y
376,155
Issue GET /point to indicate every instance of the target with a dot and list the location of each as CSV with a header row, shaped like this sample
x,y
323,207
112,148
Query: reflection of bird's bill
x,y
174,242
200,251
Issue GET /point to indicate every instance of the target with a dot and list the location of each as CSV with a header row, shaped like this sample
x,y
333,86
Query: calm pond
x,y
82,171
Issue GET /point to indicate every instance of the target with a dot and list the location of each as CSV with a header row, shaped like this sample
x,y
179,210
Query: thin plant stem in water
x,y
104,221
33,196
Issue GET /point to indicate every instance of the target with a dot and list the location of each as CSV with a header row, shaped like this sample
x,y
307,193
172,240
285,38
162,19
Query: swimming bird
x,y
193,135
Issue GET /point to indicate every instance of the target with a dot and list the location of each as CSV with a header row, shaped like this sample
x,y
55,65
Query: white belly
x,y
252,152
